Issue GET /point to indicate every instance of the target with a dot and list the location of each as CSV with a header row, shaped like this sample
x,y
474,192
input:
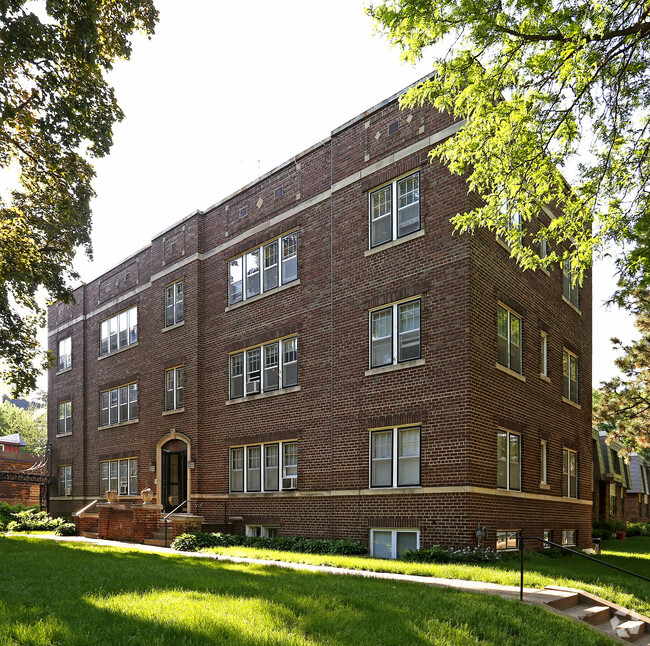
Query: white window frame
x,y
395,457
116,401
543,354
254,279
124,321
508,539
394,532
174,303
65,415
508,460
547,535
64,358
264,531
570,391
174,384
255,368
65,480
114,476
543,462
569,455
570,537
510,360
393,212
570,289
396,332
286,468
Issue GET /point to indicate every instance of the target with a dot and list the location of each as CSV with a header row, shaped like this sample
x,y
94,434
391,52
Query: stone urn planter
x,y
111,495
147,496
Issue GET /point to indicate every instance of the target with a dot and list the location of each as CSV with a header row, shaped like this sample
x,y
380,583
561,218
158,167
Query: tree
x,y
56,113
31,423
541,84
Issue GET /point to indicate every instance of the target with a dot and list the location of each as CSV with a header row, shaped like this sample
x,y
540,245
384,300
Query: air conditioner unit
x,y
252,387
290,483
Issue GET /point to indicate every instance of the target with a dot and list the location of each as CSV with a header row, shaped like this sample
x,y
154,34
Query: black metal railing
x,y
166,522
520,545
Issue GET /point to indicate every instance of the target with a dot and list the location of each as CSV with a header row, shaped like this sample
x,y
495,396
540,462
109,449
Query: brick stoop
x,y
606,617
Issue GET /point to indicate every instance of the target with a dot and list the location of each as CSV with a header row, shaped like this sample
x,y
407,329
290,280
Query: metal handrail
x,y
520,542
168,515
86,508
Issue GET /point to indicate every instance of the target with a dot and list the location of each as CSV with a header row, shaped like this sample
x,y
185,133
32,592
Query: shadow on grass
x,y
61,593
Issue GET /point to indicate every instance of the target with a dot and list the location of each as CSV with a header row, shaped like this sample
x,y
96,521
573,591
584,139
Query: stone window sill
x,y
173,327
173,411
119,425
112,354
512,373
62,372
273,393
397,366
571,403
258,297
571,305
64,434
394,243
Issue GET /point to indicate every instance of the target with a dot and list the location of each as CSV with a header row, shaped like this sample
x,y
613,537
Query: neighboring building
x,y
637,502
317,354
611,479
12,443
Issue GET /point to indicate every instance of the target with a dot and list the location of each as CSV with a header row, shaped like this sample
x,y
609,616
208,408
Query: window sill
x,y
545,378
508,489
546,487
571,403
118,425
112,354
173,411
396,366
273,393
571,305
397,488
505,245
62,372
64,434
252,299
510,372
173,327
393,243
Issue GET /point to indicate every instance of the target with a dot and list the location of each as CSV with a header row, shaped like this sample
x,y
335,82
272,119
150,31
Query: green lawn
x,y
66,593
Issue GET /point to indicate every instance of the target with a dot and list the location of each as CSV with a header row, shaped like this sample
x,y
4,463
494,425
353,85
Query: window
x,y
543,355
613,458
395,334
612,498
120,476
263,531
65,480
512,223
395,210
569,536
391,543
508,460
507,539
264,468
64,360
569,473
401,472
509,339
546,535
543,462
119,405
265,368
174,303
119,331
570,376
65,418
569,284
174,388
543,248
264,268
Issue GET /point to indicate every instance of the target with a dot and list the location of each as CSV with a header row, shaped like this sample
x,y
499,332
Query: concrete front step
x,y
158,542
593,615
89,534
630,630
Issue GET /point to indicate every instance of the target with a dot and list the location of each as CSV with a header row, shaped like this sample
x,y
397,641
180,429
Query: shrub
x,y
31,520
438,554
7,513
638,529
66,529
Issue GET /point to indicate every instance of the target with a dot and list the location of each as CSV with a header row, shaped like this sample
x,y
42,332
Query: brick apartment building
x,y
317,354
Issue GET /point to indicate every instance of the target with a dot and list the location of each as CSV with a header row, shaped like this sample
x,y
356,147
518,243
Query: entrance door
x,y
174,475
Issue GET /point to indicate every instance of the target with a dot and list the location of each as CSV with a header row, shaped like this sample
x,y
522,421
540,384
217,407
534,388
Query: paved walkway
x,y
531,595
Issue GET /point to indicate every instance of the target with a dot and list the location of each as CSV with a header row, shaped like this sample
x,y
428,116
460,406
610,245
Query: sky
x,y
223,93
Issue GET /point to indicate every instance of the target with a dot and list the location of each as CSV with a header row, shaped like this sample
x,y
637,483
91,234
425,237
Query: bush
x,y
7,513
637,529
31,520
609,527
200,540
438,554
66,529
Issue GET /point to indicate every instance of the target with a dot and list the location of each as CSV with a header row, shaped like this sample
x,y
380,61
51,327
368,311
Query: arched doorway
x,y
174,475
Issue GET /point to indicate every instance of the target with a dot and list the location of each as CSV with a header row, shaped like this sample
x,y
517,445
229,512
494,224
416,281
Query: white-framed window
x,y
512,223
395,210
395,333
543,354
64,358
65,418
612,498
174,303
543,248
569,284
119,331
119,475
509,339
569,473
395,457
264,468
263,268
264,531
118,404
543,462
506,539
546,535
508,460
569,537
391,543
174,388
264,368
569,375
65,480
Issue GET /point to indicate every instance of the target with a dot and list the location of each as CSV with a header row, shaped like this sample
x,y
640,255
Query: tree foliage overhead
x,y
56,112
541,84
30,423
